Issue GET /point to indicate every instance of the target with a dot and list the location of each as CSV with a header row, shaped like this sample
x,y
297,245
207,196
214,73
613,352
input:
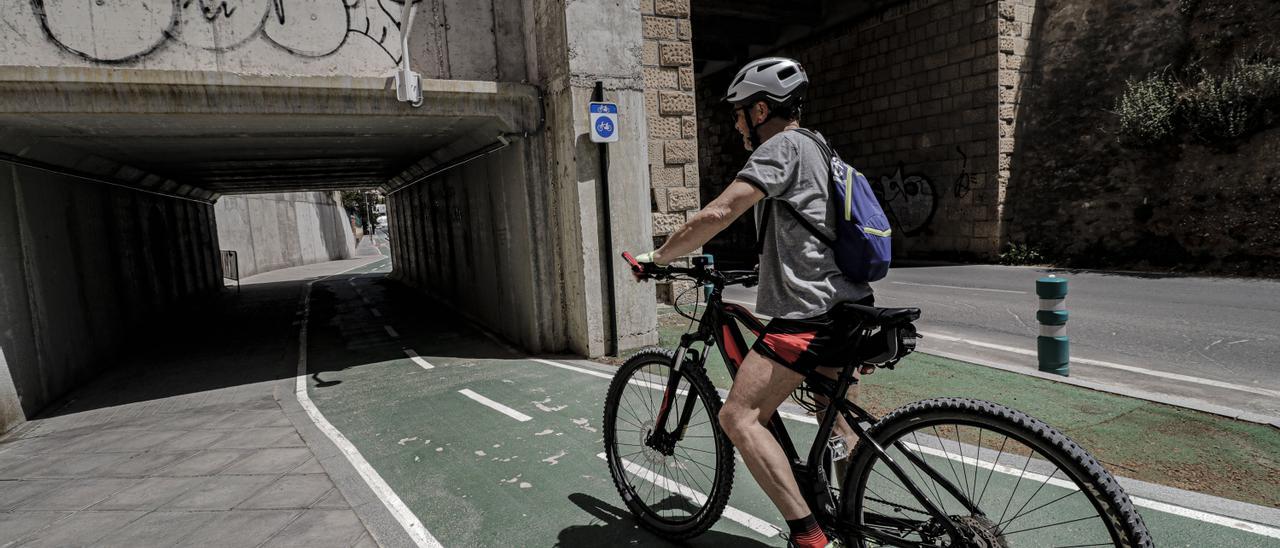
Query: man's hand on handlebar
x,y
643,266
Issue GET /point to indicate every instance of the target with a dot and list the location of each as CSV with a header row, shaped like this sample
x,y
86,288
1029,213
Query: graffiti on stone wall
x,y
909,200
125,31
964,182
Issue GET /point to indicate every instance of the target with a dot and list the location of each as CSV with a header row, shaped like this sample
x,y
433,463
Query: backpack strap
x,y
764,217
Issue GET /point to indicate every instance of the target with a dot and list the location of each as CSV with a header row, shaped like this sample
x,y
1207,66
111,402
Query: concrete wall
x,y
273,231
83,268
897,92
450,39
477,237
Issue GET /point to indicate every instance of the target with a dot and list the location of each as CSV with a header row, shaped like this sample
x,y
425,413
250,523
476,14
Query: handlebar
x,y
702,272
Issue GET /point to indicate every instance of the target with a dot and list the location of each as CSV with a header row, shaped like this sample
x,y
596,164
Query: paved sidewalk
x,y
188,441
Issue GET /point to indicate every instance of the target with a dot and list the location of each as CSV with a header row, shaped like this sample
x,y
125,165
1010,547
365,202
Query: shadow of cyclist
x,y
619,528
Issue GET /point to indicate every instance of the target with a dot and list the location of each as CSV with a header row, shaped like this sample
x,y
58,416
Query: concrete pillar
x,y
580,43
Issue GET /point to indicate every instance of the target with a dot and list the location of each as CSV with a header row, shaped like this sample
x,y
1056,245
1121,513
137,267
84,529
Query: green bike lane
x,y
474,475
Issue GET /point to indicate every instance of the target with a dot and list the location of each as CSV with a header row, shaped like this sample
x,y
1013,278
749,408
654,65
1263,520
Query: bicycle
x,y
913,477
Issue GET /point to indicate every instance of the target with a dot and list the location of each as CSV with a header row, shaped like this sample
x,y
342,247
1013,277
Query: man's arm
x,y
705,224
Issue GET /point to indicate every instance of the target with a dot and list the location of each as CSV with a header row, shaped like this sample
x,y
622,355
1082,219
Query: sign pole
x,y
612,339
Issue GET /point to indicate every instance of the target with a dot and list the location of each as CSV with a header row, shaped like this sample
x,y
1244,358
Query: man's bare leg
x,y
760,386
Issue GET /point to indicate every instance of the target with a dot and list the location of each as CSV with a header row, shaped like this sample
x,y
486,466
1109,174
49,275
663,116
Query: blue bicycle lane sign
x,y
604,122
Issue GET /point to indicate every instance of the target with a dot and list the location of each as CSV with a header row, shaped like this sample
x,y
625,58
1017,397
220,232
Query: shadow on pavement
x,y
620,528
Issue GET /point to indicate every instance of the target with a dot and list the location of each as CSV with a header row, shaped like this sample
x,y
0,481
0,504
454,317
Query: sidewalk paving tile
x,y
321,527
77,494
156,529
144,464
312,466
204,463
81,529
366,542
194,439
13,492
296,491
15,525
221,492
140,440
149,494
254,438
239,528
334,501
73,465
270,461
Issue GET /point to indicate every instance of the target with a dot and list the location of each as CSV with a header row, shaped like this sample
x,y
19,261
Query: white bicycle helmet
x,y
775,79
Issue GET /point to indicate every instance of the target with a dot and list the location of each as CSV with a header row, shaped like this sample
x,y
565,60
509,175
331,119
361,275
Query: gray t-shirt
x,y
798,273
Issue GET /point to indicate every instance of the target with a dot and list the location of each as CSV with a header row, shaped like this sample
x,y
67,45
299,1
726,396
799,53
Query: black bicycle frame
x,y
719,326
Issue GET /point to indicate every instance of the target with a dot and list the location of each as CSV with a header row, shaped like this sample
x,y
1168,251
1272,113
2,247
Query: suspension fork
x,y
672,388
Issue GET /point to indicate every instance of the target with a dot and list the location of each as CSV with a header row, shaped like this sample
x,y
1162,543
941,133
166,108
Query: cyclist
x,y
800,284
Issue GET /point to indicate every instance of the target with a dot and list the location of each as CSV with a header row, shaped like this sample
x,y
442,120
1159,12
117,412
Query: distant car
x,y
382,221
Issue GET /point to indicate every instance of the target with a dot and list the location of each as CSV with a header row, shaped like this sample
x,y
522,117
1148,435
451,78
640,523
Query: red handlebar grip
x,y
634,264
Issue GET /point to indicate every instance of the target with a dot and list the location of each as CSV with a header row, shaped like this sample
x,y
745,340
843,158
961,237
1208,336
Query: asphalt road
x,y
1216,331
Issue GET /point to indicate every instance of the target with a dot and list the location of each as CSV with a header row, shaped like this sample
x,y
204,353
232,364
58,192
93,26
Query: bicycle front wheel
x,y
1025,483
677,491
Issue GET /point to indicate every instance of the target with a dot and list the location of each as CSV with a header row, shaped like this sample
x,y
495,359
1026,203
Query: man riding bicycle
x,y
800,285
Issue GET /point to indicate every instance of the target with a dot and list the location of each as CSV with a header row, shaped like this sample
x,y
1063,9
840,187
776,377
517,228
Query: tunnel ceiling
x,y
728,33
259,153
229,134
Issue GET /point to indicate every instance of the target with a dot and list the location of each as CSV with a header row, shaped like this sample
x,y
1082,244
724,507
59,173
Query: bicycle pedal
x,y
838,449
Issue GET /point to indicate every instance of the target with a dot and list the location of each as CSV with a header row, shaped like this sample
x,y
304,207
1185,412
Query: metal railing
x,y
231,267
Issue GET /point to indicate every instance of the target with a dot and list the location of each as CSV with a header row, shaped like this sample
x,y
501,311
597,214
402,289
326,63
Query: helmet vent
x,y
786,73
764,66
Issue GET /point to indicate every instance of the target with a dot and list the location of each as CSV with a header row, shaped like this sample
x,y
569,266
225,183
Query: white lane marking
x,y
1137,501
645,384
418,359
962,287
375,312
1154,505
764,528
496,406
411,524
391,331
1111,365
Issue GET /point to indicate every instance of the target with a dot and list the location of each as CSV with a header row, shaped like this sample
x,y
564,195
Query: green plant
x,y
1228,106
1148,109
1020,254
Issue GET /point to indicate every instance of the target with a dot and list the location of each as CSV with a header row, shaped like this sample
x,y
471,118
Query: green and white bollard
x,y
1052,346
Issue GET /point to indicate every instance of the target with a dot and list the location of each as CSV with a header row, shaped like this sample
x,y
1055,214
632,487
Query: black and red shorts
x,y
804,345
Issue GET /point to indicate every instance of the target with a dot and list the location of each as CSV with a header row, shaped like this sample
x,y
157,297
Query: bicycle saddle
x,y
884,317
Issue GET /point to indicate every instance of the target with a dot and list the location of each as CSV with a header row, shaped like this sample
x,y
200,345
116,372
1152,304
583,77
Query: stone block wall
x,y
671,112
1015,24
908,96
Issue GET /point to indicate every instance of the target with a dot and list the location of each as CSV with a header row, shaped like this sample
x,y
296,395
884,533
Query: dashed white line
x,y
418,359
495,406
749,521
391,331
375,312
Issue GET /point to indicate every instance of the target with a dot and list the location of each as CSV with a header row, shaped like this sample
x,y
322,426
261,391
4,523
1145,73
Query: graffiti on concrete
x,y
125,31
908,199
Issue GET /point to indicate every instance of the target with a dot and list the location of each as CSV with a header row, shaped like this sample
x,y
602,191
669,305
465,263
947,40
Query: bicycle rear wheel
x,y
681,492
1031,485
